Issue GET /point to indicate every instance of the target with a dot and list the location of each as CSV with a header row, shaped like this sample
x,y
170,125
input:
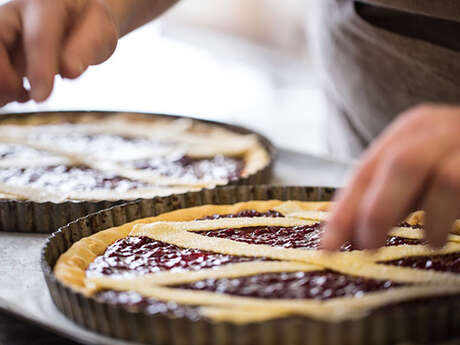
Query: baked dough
x,y
54,139
180,228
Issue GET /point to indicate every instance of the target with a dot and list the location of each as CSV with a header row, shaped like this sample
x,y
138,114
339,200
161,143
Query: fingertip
x,y
436,245
436,239
328,242
41,84
72,68
40,92
437,229
369,237
332,237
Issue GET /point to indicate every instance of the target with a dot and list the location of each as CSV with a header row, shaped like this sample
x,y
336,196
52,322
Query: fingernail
x,y
39,93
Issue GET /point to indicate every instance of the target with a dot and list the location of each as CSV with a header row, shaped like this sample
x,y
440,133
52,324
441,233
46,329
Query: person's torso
x,y
377,62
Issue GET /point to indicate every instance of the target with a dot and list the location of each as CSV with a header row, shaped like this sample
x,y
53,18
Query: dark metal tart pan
x,y
429,321
34,217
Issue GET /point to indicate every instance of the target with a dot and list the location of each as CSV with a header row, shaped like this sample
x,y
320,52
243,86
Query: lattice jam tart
x,y
52,157
256,261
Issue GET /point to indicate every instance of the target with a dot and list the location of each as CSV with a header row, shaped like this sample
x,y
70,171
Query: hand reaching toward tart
x,y
43,38
414,164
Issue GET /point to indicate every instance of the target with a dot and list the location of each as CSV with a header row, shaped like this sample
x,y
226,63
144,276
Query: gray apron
x,y
370,75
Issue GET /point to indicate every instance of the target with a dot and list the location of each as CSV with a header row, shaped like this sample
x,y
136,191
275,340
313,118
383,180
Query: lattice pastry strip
x,y
321,212
213,142
414,283
336,309
176,137
361,262
245,309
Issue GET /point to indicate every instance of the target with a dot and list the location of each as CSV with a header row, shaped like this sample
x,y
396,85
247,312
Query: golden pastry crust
x,y
83,252
180,228
191,138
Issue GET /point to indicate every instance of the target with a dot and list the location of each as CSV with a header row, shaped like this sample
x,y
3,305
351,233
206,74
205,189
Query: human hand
x,y
42,38
414,164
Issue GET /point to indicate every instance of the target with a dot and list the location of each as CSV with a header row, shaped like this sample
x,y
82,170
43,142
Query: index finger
x,y
44,23
345,213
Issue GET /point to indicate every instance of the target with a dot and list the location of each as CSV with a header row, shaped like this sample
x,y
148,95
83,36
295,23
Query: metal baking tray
x,y
46,217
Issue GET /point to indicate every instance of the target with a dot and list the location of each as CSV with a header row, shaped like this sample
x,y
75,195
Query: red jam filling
x,y
65,179
442,263
141,255
320,285
302,237
135,301
245,214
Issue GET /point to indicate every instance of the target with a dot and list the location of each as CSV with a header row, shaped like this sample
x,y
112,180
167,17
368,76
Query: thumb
x,y
91,41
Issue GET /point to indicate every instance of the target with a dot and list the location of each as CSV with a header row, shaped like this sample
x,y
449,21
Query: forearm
x,y
131,14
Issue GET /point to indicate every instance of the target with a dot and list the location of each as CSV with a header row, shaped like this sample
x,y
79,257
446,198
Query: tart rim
x,y
70,267
256,159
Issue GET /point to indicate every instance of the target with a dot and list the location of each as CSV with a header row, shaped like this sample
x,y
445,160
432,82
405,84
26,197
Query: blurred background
x,y
239,61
